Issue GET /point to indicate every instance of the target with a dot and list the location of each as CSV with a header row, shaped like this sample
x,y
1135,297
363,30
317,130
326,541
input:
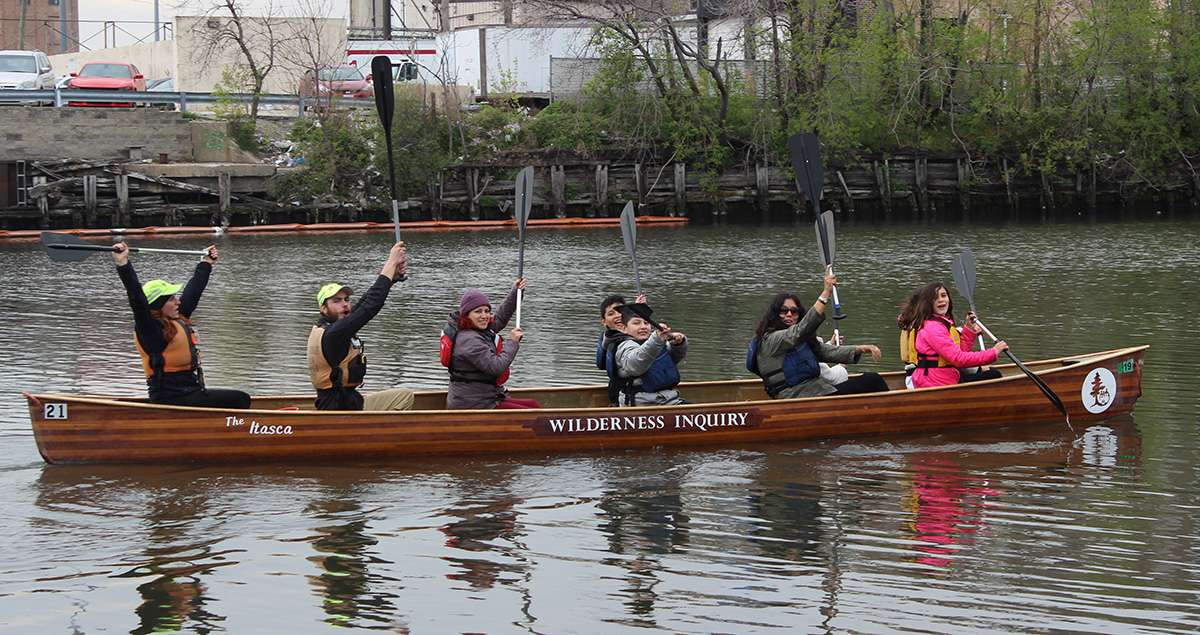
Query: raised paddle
x,y
523,204
629,234
964,280
68,248
385,105
805,152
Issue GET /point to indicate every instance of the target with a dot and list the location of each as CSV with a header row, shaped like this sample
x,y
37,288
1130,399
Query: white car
x,y
25,70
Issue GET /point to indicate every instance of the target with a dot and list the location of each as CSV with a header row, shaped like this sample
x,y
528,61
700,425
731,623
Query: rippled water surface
x,y
1032,528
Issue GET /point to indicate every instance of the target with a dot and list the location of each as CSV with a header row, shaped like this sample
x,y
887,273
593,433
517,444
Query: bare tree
x,y
256,40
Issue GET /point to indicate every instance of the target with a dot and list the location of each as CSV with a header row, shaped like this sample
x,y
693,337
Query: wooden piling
x,y
89,199
224,190
762,189
600,200
921,177
680,190
639,182
1008,189
558,190
473,193
848,203
122,216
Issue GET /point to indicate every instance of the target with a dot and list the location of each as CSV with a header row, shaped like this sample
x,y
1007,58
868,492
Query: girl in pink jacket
x,y
941,349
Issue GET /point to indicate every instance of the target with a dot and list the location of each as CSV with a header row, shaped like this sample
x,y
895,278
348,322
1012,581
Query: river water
x,y
1032,528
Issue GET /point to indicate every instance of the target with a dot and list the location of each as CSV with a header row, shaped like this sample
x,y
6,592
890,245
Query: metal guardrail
x,y
61,97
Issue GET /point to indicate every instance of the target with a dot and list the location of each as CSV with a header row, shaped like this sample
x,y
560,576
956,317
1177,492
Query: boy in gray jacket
x,y
646,356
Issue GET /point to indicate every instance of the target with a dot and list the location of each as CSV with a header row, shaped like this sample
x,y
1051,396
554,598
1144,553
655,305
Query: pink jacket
x,y
934,339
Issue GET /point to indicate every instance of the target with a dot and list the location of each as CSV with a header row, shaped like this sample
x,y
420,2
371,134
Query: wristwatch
x,y
822,299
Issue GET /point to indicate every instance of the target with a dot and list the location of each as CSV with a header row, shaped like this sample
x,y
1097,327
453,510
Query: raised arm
x,y
144,324
634,360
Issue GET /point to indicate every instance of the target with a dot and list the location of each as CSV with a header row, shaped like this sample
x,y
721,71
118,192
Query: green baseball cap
x,y
157,289
330,290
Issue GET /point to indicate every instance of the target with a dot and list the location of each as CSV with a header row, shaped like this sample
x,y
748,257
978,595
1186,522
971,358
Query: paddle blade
x,y
629,234
524,202
825,238
963,269
68,248
629,230
385,90
805,153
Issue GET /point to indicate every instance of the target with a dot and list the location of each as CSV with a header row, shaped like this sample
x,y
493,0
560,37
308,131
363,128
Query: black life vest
x,y
799,364
446,355
663,374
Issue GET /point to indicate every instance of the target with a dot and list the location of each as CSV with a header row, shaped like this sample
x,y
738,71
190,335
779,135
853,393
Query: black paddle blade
x,y
524,202
68,248
805,152
385,91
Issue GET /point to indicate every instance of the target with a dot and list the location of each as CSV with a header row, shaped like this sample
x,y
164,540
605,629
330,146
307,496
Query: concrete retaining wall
x,y
31,134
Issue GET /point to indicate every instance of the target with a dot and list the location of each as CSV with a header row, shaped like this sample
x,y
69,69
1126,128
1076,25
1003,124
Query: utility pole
x,y
62,25
155,20
21,29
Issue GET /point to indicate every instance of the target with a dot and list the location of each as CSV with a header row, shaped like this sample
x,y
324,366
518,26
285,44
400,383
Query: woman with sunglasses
x,y
785,351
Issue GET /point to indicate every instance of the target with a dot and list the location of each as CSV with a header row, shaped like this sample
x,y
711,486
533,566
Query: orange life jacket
x,y
180,355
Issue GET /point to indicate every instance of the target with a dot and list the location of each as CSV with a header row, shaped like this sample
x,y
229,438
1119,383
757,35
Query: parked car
x,y
25,70
337,81
107,76
164,85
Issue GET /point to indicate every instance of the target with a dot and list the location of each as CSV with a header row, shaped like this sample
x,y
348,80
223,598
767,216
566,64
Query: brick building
x,y
42,25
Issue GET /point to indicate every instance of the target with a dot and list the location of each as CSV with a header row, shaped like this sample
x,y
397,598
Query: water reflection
x,y
172,556
350,593
642,519
946,508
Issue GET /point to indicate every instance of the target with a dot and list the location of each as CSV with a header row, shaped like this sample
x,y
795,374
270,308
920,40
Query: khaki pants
x,y
390,399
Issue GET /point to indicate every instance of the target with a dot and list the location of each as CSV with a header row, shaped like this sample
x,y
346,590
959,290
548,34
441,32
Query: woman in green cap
x,y
165,338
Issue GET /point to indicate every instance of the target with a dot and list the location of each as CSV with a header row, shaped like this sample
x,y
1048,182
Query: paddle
x,y
805,152
629,234
523,204
68,248
385,105
964,280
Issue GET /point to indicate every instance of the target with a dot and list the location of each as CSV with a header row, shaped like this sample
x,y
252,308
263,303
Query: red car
x,y
107,76
340,81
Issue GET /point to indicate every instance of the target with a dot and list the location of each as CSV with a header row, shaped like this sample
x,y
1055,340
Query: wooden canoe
x,y
89,429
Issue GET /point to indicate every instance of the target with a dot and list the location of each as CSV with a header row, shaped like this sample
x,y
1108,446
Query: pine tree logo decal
x,y
1099,390
1099,394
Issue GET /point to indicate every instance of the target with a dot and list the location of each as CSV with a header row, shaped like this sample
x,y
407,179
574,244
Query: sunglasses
x,y
790,309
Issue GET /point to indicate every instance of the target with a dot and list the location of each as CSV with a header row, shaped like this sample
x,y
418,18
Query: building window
x,y
54,3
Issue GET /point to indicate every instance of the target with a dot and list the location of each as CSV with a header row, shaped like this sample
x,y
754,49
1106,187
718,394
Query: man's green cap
x,y
157,289
330,290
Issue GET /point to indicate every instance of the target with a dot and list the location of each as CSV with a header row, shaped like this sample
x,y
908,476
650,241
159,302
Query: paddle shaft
x,y
149,250
837,309
1046,390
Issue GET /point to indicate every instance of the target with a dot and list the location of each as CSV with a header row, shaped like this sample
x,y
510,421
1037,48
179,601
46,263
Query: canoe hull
x,y
72,429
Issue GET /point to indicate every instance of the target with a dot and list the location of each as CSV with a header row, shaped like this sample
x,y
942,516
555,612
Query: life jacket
x,y
799,364
446,356
615,384
663,374
908,348
349,371
180,356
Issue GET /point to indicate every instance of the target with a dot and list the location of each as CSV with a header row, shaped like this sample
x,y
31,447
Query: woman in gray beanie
x,y
477,357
